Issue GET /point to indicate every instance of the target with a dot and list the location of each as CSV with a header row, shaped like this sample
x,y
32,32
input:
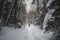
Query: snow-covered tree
x,y
10,9
52,18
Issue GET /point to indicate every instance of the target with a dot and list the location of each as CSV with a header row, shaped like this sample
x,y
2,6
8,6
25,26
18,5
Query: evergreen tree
x,y
54,22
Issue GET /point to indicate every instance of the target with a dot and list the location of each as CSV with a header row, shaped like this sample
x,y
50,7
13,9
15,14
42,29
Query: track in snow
x,y
27,33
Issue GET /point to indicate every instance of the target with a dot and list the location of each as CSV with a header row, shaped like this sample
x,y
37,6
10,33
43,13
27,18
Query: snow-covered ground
x,y
27,33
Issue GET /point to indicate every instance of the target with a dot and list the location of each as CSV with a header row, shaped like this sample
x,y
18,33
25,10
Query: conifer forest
x,y
29,19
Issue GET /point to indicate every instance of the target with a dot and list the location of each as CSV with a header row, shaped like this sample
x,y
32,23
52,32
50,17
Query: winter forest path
x,y
27,33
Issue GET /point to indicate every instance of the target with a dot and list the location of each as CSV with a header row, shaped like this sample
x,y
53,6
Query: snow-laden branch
x,y
49,3
47,17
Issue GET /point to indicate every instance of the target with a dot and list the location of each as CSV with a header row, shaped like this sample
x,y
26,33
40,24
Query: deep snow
x,y
27,33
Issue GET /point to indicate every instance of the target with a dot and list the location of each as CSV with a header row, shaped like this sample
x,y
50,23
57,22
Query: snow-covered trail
x,y
38,34
27,33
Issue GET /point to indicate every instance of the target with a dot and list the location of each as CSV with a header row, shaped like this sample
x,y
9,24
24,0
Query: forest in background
x,y
12,13
47,15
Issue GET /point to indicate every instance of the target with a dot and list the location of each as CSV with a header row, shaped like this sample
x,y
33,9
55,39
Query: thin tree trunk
x,y
10,12
2,7
15,19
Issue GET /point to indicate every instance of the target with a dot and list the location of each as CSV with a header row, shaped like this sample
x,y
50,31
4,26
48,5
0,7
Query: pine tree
x,y
54,21
12,12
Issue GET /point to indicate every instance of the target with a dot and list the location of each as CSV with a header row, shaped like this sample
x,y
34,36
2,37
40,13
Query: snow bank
x,y
13,34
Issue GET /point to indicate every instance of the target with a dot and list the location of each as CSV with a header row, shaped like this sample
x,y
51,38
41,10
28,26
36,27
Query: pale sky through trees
x,y
28,4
